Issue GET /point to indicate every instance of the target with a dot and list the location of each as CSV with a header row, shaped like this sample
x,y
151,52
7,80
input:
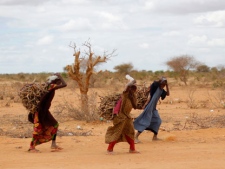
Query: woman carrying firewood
x,y
123,128
149,119
45,125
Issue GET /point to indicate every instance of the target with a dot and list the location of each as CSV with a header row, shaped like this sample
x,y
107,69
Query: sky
x,y
35,35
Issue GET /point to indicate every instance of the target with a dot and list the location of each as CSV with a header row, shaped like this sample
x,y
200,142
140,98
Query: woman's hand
x,y
61,81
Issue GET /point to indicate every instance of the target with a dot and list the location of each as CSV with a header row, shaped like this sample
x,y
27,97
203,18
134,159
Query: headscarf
x,y
162,79
51,78
131,82
154,86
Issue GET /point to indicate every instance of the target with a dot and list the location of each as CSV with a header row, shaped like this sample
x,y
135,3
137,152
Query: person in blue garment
x,y
149,119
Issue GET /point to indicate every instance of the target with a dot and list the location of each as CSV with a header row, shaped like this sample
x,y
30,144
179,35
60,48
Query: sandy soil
x,y
183,146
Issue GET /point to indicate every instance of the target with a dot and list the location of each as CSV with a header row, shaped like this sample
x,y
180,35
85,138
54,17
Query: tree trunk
x,y
84,103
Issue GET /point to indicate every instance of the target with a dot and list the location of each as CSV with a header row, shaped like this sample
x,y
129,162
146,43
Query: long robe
x,y
149,119
45,131
122,123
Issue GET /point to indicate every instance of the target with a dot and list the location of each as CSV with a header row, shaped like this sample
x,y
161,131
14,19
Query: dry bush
x,y
68,110
9,93
195,121
218,101
20,127
24,77
191,101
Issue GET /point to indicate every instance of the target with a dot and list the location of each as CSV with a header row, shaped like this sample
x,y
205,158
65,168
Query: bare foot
x,y
136,141
134,152
33,150
56,148
156,139
109,153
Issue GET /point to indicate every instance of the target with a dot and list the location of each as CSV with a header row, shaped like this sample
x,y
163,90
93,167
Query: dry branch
x,y
30,94
108,102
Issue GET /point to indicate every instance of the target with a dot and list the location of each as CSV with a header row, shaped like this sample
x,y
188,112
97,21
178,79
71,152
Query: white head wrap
x,y
52,78
128,77
132,81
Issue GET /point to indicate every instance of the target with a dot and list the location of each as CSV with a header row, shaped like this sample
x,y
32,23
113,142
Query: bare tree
x,y
182,65
83,68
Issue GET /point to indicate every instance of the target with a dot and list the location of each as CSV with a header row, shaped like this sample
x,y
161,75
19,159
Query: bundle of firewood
x,y
142,95
107,103
30,94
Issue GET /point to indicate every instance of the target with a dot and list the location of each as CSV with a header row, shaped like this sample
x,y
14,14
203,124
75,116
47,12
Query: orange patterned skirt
x,y
42,134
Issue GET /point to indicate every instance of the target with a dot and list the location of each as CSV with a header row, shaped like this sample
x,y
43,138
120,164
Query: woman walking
x,y
45,125
123,128
149,119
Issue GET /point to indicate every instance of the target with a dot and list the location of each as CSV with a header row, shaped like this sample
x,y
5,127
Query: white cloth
x,y
52,78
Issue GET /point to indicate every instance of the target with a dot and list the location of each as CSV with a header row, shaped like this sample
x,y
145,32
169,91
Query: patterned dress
x,y
42,134
122,123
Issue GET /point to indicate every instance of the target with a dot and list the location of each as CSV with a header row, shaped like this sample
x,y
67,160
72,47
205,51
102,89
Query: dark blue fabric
x,y
153,87
149,119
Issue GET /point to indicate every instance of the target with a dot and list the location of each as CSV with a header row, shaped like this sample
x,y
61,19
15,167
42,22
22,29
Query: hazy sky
x,y
35,34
